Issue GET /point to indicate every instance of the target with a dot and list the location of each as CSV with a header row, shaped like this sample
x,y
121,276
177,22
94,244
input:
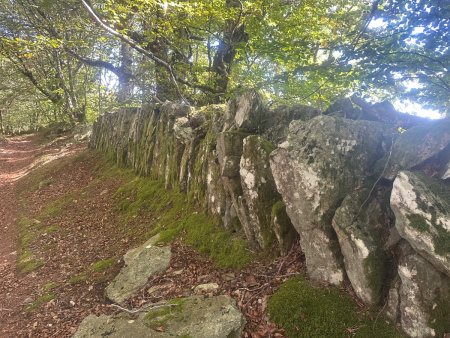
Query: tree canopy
x,y
70,60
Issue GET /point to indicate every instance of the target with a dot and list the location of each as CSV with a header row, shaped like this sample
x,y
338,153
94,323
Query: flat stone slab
x,y
197,316
140,264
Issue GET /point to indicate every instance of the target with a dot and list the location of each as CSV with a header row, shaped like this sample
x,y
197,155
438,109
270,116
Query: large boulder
x,y
422,210
323,160
247,112
280,118
420,298
357,109
197,316
415,146
259,190
362,224
140,264
229,152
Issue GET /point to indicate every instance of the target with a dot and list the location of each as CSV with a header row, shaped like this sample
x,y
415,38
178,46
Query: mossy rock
x,y
215,317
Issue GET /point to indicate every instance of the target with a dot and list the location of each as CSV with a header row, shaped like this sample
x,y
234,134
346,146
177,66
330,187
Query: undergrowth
x,y
315,312
174,216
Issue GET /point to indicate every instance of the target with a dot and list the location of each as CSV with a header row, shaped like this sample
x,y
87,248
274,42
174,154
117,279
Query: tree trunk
x,y
233,33
126,87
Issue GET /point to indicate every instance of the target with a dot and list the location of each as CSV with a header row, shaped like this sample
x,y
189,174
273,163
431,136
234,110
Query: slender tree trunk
x,y
233,33
126,87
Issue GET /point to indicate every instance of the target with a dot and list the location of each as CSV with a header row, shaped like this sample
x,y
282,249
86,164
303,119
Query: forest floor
x,y
61,244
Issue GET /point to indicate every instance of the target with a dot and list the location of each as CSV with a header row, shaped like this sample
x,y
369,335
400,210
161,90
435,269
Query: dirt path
x,y
18,157
73,230
15,155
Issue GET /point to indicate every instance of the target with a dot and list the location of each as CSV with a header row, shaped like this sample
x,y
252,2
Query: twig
x,y
3,309
378,315
255,289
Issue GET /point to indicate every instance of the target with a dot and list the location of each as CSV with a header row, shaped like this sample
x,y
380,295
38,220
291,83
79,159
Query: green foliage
x,y
307,311
296,51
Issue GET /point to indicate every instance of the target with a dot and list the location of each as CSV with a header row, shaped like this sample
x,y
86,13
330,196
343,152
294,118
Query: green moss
x,y
78,279
160,316
374,268
418,222
286,229
27,262
55,208
266,145
50,229
313,312
440,317
49,286
40,301
45,183
103,265
442,241
176,216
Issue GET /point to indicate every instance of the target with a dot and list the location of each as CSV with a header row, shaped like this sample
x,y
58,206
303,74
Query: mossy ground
x,y
38,302
176,216
315,312
27,261
103,264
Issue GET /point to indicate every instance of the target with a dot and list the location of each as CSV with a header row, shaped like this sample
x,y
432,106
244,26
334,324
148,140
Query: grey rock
x,y
182,129
82,132
362,230
229,151
357,109
249,112
107,326
175,109
420,296
259,190
422,210
210,287
140,264
199,317
323,160
282,227
280,118
415,146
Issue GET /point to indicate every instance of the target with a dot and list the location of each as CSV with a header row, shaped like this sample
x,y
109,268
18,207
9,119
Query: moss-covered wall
x,y
189,150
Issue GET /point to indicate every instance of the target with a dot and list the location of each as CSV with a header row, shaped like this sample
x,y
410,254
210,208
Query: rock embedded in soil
x,y
140,264
196,316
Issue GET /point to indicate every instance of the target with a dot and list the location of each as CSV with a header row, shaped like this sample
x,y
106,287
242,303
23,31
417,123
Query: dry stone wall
x,y
370,202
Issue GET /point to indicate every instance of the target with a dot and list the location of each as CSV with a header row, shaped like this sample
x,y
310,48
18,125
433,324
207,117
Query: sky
x,y
408,106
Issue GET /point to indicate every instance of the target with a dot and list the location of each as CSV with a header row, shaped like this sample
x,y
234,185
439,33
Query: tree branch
x,y
135,46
